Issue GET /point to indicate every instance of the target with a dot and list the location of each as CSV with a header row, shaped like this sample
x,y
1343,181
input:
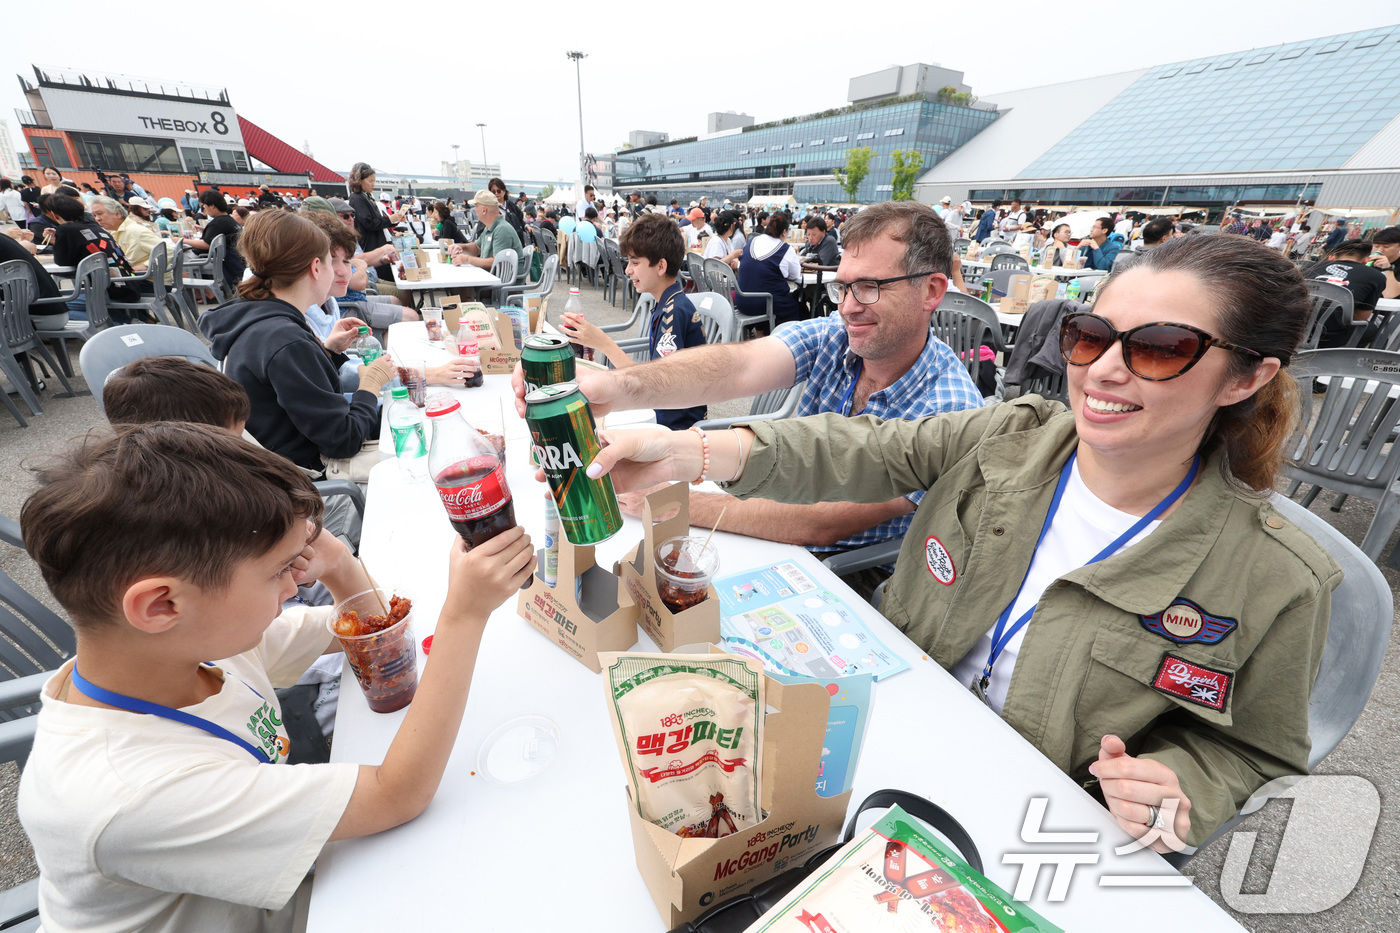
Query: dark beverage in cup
x,y
684,568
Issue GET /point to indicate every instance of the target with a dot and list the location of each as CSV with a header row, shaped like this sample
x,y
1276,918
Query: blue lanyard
x,y
845,408
134,705
1000,640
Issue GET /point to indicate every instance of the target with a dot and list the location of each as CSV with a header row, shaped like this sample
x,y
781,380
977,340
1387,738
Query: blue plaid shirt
x,y
937,382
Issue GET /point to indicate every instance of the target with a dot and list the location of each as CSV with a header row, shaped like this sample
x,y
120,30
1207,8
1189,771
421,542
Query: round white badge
x,y
1182,620
940,564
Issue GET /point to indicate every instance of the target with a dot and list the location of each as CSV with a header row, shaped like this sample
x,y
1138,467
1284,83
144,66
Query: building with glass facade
x,y
1310,121
798,156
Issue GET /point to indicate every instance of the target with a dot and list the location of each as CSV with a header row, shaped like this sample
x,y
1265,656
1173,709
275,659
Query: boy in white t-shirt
x,y
172,546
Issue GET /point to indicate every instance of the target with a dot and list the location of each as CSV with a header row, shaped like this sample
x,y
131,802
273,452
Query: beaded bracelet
x,y
705,455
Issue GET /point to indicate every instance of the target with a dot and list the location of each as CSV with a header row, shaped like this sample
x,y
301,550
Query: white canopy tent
x,y
1356,213
768,202
1080,222
563,196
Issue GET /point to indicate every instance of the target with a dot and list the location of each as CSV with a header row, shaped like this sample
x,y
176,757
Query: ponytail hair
x,y
1260,303
777,225
278,247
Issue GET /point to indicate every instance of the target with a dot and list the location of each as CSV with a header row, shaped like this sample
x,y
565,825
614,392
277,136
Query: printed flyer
x,y
795,626
898,877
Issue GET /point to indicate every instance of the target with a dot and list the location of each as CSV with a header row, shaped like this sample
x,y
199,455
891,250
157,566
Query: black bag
x,y
739,913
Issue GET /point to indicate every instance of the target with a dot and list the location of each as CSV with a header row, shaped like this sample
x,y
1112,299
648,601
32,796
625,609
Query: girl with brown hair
x,y
1163,622
298,406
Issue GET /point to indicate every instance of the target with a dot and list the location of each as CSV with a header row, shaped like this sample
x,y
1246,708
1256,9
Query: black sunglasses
x,y
1156,352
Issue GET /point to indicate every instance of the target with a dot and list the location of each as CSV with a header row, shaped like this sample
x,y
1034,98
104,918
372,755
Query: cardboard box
x,y
535,305
686,877
697,625
414,266
602,617
505,358
1018,290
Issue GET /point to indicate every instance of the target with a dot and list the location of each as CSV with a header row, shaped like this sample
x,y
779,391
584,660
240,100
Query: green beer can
x,y
547,360
565,442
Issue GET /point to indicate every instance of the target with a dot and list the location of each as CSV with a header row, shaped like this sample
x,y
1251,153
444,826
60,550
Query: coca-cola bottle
x,y
469,476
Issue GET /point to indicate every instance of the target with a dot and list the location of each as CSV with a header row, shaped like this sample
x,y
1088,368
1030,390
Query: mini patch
x,y
1190,682
940,563
1184,622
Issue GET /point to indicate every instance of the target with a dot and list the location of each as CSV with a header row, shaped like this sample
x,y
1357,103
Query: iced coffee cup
x,y
379,646
684,568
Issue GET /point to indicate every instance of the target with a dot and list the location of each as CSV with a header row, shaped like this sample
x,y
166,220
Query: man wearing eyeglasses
x,y
877,356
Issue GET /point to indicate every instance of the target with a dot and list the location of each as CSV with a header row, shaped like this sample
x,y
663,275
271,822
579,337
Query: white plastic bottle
x,y
410,440
551,541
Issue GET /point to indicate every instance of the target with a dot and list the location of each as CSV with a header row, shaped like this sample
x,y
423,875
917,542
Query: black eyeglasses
x,y
1156,352
347,216
866,291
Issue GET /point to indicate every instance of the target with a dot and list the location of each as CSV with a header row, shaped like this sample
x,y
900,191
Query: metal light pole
x,y
484,166
582,152
455,161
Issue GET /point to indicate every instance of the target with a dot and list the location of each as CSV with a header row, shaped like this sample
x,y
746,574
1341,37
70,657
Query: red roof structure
x,y
270,150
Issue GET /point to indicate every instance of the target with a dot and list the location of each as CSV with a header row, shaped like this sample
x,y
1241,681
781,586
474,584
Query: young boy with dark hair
x,y
1345,265
171,388
654,249
156,796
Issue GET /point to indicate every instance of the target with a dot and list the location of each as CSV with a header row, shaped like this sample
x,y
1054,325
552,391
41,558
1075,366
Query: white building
x,y
9,160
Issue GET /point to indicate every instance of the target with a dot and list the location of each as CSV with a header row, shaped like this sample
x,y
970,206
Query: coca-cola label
x,y
473,500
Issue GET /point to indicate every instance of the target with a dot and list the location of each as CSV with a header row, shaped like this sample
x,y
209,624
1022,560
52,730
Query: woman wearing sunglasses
x,y
1163,623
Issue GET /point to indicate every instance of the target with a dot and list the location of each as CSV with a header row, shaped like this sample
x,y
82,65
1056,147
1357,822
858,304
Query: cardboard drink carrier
x,y
697,625
413,266
687,876
596,615
1018,294
493,329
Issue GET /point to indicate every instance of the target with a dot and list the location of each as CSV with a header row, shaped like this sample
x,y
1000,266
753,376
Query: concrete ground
x,y
1369,751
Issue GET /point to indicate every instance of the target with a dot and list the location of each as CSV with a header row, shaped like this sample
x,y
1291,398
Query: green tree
x,y
857,167
906,172
546,191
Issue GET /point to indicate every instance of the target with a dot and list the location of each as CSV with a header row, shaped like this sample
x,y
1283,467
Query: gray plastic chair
x,y
503,266
995,247
90,280
1358,633
769,406
112,349
212,266
1345,447
158,303
725,280
615,276
1001,280
695,272
965,323
717,320
1009,260
17,292
515,294
1328,300
641,318
960,244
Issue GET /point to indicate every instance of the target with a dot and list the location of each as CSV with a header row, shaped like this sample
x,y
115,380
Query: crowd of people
x,y
1147,490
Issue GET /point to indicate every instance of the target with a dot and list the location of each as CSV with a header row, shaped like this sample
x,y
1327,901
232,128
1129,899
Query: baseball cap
x,y
696,214
244,202
318,203
946,200
484,198
140,202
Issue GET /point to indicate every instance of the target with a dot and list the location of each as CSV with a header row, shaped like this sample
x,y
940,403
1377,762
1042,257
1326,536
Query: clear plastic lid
x,y
518,750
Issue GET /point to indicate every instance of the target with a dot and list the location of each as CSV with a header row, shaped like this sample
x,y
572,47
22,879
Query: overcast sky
x,y
365,81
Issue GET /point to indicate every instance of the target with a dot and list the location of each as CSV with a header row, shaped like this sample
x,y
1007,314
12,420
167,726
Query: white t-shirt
x,y
1124,227
717,247
12,201
141,823
1011,223
693,234
1083,526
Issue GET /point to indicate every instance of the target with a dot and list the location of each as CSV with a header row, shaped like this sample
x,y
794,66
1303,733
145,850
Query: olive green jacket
x,y
1226,716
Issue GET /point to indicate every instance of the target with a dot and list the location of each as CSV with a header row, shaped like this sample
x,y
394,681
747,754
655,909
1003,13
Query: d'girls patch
x,y
940,562
1184,622
1193,683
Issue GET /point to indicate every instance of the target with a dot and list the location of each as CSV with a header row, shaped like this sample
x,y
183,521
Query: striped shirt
x,y
937,382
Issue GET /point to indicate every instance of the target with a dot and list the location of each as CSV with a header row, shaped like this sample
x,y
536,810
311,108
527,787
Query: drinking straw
x,y
707,537
375,586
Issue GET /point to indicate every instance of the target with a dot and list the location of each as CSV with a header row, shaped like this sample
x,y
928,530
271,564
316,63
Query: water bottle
x,y
575,306
1060,290
1072,291
365,347
410,441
